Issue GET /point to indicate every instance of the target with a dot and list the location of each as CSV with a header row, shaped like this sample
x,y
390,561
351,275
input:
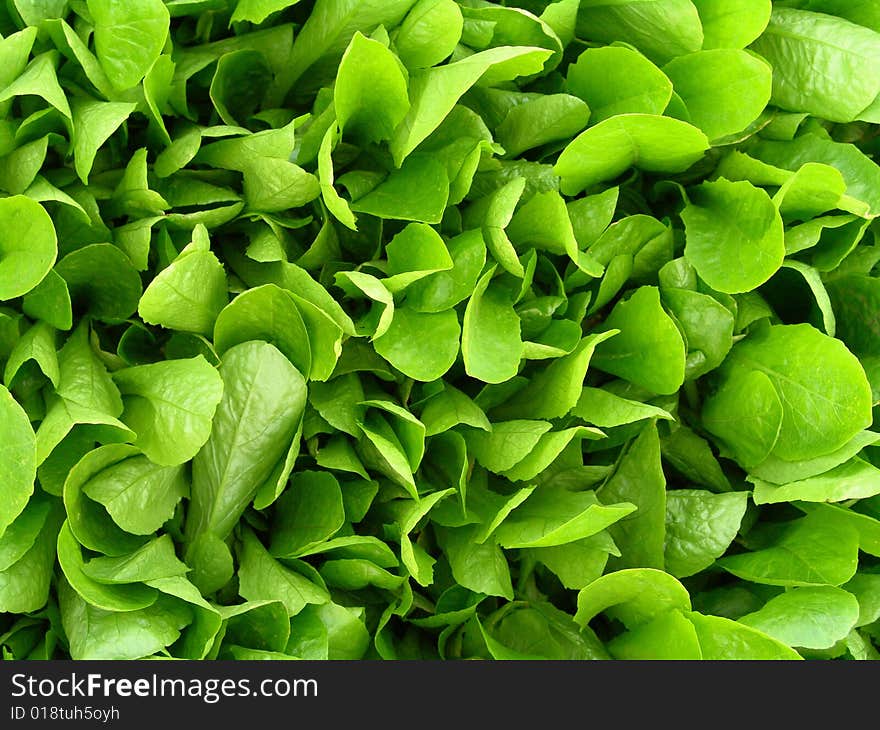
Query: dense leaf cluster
x,y
439,328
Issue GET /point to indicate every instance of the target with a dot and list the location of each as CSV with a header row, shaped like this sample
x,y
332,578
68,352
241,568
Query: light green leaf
x,y
422,345
618,80
732,23
724,90
434,92
28,247
722,639
429,33
189,294
491,342
639,480
823,65
648,142
649,350
261,577
854,479
811,618
140,496
265,313
814,550
93,123
307,515
371,91
734,235
824,394
170,405
128,39
263,401
700,526
18,459
634,596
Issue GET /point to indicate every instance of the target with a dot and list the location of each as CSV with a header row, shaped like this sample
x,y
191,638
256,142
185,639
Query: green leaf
x,y
240,82
854,479
700,526
555,390
140,496
734,235
414,253
37,345
480,567
618,80
307,515
649,142
491,343
28,248
813,189
189,294
578,563
434,92
371,91
338,206
866,588
648,350
824,395
19,168
548,448
100,634
661,29
94,122
547,119
170,405
429,33
670,636
746,414
418,191
860,173
639,480
272,185
265,313
692,456
604,409
555,516
263,401
867,527
256,11
15,50
22,532
38,79
722,639
154,560
724,90
331,26
102,275
262,578
811,618
116,598
508,443
839,80
498,216
732,23
128,39
779,471
635,596
422,345
50,301
813,550
540,631
24,584
18,457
